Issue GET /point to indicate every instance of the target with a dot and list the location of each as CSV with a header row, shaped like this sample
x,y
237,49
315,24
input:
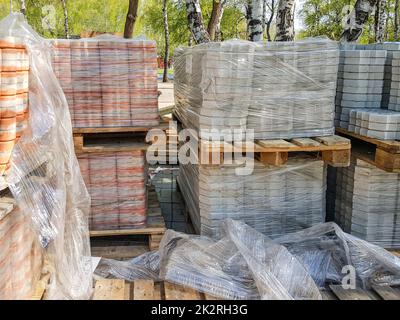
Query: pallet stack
x,y
111,86
280,92
363,198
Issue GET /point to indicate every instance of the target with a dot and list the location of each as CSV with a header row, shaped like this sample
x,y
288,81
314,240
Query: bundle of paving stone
x,y
360,82
21,257
14,83
280,90
108,81
375,123
368,204
117,185
213,84
394,102
273,200
294,89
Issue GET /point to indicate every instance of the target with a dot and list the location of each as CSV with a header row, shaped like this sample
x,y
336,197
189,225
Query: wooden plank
x,y
158,291
305,142
391,146
333,140
162,126
328,295
337,158
387,161
128,289
276,144
387,293
177,292
119,252
112,146
210,297
143,290
109,289
349,294
40,288
126,232
273,158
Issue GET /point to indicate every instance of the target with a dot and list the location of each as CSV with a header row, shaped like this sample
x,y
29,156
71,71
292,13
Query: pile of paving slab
x,y
362,198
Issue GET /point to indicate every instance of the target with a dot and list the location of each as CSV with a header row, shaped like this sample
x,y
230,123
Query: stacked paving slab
x,y
274,201
367,203
360,82
116,183
283,90
108,81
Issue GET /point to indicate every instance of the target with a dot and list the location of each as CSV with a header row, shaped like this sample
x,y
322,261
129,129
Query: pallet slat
x,y
349,294
109,289
177,292
387,293
143,290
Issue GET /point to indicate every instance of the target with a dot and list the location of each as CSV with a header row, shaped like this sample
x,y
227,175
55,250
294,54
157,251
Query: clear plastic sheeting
x,y
245,264
45,178
280,90
273,200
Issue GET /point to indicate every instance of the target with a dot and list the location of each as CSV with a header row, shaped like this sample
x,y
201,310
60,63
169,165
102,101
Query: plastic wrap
x,y
273,200
116,182
280,90
367,203
245,264
21,258
394,100
108,81
44,177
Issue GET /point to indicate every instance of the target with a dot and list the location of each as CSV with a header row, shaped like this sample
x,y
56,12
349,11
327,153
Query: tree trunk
x,y
216,16
166,53
255,20
66,23
270,19
195,20
396,20
361,12
285,20
23,7
218,32
380,20
131,18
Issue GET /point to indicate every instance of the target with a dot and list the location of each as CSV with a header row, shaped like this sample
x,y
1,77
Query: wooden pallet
x,y
126,137
154,230
333,150
116,289
385,154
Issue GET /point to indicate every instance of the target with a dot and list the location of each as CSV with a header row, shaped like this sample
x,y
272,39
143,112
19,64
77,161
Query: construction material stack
x,y
278,91
111,86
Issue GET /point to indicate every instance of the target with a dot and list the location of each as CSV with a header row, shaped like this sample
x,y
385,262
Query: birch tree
x,y
214,24
66,23
380,20
396,20
195,20
255,20
131,18
358,19
271,6
285,20
166,53
23,7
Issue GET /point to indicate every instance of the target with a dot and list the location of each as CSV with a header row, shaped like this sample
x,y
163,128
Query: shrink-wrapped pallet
x,y
108,81
273,200
116,182
279,90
